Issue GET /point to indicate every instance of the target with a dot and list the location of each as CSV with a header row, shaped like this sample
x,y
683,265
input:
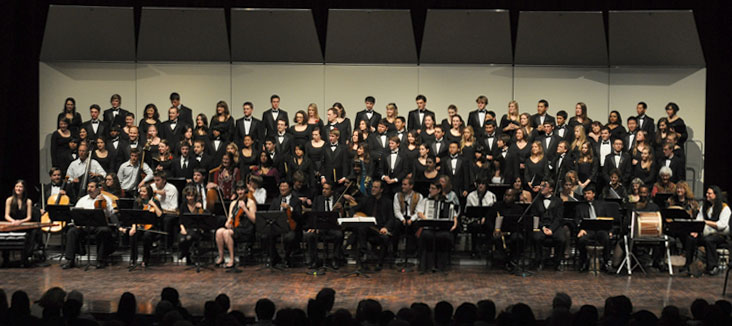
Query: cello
x,y
59,199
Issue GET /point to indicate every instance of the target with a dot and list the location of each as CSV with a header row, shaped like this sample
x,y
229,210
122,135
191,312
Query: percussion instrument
x,y
647,225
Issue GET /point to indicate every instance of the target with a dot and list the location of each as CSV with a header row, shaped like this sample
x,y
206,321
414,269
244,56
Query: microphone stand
x,y
522,268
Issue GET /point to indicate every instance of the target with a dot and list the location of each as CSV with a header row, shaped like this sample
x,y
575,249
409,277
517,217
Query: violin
x,y
100,202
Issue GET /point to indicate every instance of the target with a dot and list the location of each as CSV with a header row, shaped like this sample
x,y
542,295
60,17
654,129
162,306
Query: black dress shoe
x,y
714,271
334,264
68,264
584,267
314,265
101,264
379,267
132,265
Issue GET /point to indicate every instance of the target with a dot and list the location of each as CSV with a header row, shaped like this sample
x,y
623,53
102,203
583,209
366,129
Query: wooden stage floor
x,y
292,288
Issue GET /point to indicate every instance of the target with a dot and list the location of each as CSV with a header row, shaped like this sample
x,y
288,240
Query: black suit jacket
x,y
443,152
401,166
551,150
625,167
649,126
461,178
582,211
256,130
490,146
677,167
173,136
596,149
205,163
294,203
68,188
185,114
287,145
382,209
550,217
568,133
413,122
217,154
474,121
118,155
557,172
179,172
361,115
102,130
270,124
376,148
111,120
536,121
335,163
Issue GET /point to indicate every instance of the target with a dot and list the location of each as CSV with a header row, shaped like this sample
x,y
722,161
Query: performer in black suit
x,y
394,167
561,163
368,114
379,206
415,119
217,144
173,129
618,160
541,116
548,209
95,128
440,146
325,203
289,203
182,166
673,162
645,122
476,119
549,140
284,141
562,129
457,169
249,125
592,209
115,116
201,159
489,140
270,117
630,137
53,188
185,114
335,165
379,141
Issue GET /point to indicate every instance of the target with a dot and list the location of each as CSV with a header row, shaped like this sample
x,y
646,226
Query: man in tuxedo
x,y
122,153
604,146
249,125
53,188
325,203
116,147
592,209
285,201
173,129
335,165
673,162
561,163
440,146
217,145
547,211
476,119
381,207
200,158
562,129
509,160
541,115
278,157
393,168
645,122
549,140
270,117
415,120
379,141
400,126
284,141
95,128
199,182
115,116
368,114
489,140
182,166
629,137
185,113
457,168
618,160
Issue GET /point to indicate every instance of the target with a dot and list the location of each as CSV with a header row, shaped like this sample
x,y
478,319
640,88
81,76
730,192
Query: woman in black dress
x,y
102,155
248,157
615,124
313,119
129,123
520,149
452,111
430,173
163,159
299,162
60,144
410,147
675,123
467,143
315,150
428,130
455,133
191,205
364,130
511,121
224,121
151,117
580,117
18,210
392,112
420,164
301,129
342,123
536,167
144,201
201,129
646,166
587,166
69,112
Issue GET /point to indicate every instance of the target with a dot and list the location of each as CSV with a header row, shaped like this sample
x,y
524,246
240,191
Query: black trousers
x,y
558,240
170,225
435,247
105,244
476,229
601,237
269,243
147,240
710,243
514,245
364,236
334,236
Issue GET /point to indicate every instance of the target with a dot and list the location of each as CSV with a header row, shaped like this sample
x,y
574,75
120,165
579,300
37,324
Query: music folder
x,y
322,220
199,221
128,217
351,222
598,224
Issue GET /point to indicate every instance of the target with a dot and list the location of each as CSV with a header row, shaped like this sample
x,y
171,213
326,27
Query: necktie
x,y
185,163
593,214
327,205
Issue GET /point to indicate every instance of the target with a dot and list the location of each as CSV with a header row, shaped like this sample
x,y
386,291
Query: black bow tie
x,y
481,111
133,144
438,141
275,111
382,134
549,135
606,142
395,152
280,135
491,135
95,121
115,139
247,119
334,145
56,185
454,157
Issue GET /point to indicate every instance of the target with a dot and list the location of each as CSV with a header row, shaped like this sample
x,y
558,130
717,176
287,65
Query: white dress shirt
x,y
87,202
722,223
168,201
472,200
127,175
77,168
407,205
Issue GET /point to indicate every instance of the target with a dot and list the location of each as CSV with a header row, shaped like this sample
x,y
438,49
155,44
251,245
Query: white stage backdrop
x,y
201,85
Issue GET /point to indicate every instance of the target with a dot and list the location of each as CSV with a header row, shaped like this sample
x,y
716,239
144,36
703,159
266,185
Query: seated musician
x,y
167,195
285,202
129,173
92,200
301,189
191,205
646,204
225,176
405,210
684,199
379,206
435,244
548,209
239,226
18,208
664,184
514,243
614,189
77,169
199,183
592,209
54,188
715,213
144,201
325,203
480,197
255,188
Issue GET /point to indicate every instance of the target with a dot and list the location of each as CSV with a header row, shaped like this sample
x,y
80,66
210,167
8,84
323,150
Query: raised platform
x,y
292,288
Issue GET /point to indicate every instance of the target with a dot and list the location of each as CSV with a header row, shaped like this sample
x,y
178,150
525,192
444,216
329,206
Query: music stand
x,y
322,221
661,199
677,222
355,223
269,183
125,203
58,213
570,209
179,183
273,224
203,222
88,218
262,207
128,217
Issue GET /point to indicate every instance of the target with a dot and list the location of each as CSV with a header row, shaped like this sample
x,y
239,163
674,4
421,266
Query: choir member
x,y
454,130
335,164
392,112
172,130
69,112
200,130
541,116
562,129
115,116
284,141
428,131
477,118
102,155
186,114
222,118
95,128
511,121
368,114
580,117
675,123
60,140
182,165
617,159
393,168
400,130
615,125
457,169
646,167
301,129
202,159
630,137
587,166
151,117
645,123
536,167
270,117
343,123
672,161
416,117
248,125
549,140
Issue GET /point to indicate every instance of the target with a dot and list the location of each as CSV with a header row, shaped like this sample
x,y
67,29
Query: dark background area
x,y
22,23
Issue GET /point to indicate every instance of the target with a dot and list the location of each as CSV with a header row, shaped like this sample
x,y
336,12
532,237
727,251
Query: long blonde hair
x,y
315,111
471,139
516,115
577,143
541,150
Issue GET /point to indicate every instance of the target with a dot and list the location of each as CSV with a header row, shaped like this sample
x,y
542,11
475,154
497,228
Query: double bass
x,y
59,199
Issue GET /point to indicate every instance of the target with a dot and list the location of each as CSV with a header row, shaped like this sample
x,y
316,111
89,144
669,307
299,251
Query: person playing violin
x,y
239,225
144,201
105,246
